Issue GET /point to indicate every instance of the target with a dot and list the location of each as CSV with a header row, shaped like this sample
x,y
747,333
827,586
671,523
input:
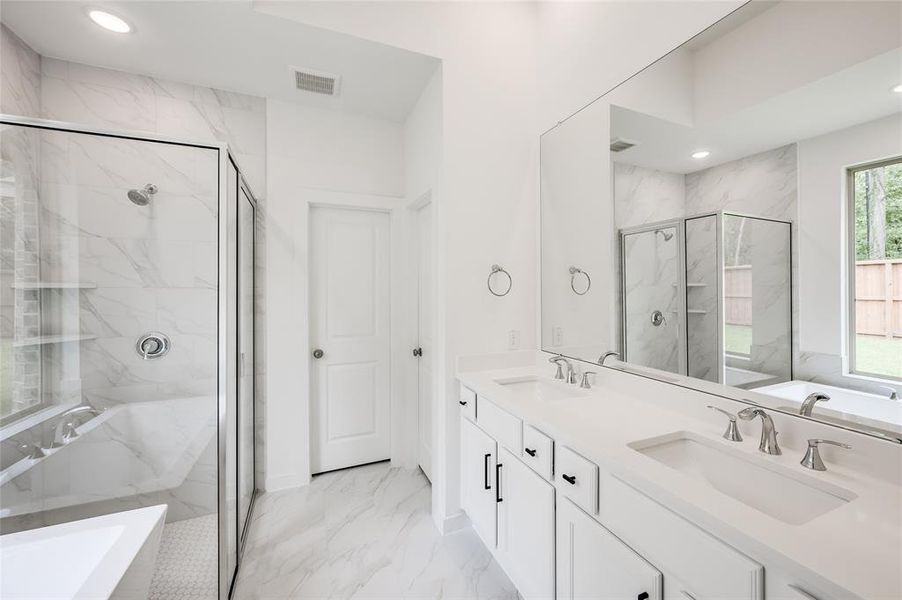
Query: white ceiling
x,y
855,95
229,46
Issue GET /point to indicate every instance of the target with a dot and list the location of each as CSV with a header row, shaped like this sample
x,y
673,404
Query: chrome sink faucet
x,y
768,443
571,373
810,401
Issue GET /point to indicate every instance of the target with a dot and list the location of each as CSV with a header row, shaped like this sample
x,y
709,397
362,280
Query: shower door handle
x,y
318,353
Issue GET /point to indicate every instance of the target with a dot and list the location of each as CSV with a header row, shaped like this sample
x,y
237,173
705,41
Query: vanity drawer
x,y
467,403
704,566
577,479
501,425
538,451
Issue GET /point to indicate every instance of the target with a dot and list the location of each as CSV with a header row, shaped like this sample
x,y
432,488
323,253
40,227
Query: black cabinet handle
x,y
642,596
571,479
530,451
488,485
461,402
498,482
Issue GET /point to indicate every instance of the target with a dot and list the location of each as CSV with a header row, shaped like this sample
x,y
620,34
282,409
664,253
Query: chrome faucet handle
x,y
812,459
585,380
768,443
557,361
732,431
69,432
32,451
892,394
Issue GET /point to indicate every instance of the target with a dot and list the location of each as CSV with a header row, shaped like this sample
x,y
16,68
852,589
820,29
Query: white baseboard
x,y
455,522
289,481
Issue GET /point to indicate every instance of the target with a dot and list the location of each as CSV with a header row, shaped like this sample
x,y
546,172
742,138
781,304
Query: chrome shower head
x,y
142,197
666,235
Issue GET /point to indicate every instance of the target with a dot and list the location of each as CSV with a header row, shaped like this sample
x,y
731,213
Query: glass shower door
x,y
246,372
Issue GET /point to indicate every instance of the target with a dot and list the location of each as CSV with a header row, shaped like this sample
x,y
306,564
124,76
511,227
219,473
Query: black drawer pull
x,y
642,596
530,451
461,402
498,482
571,479
488,485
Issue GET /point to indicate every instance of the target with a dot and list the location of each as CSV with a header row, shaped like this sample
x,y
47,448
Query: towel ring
x,y
574,271
510,281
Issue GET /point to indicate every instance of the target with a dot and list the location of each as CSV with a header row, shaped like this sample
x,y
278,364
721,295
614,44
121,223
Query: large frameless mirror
x,y
738,208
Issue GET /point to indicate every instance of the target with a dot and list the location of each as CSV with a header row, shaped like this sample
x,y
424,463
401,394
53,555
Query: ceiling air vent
x,y
317,82
620,144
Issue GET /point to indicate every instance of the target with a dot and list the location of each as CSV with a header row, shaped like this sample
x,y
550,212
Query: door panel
x,y
477,464
526,528
349,322
592,563
425,339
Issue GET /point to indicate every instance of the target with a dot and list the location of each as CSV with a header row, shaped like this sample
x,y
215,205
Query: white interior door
x,y
350,333
425,343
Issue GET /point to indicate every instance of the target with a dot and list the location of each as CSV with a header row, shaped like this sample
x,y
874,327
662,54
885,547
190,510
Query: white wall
x,y
586,48
486,210
823,204
318,156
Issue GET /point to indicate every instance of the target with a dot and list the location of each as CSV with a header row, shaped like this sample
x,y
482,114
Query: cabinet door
x,y
525,527
592,563
477,476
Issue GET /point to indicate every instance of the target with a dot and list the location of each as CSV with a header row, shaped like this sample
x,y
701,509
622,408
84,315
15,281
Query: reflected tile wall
x,y
701,298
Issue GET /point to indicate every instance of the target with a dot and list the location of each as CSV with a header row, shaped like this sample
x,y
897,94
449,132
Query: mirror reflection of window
x,y
876,193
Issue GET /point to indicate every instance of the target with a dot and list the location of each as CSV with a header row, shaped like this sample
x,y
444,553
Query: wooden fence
x,y
878,297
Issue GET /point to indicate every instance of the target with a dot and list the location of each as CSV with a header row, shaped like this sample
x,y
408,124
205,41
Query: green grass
x,y
738,339
878,355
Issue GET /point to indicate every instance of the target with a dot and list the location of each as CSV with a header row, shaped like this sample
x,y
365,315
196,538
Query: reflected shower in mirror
x,y
739,206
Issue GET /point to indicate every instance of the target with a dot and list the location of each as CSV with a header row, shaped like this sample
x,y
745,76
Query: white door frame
x,y
412,325
403,448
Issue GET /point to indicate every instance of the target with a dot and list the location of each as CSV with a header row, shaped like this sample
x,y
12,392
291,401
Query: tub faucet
x,y
606,355
810,401
64,432
768,443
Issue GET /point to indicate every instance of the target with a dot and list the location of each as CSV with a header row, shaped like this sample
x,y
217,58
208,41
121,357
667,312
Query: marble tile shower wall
x,y
20,80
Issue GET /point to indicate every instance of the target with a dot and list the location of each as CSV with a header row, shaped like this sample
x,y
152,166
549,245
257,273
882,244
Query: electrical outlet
x,y
513,339
557,337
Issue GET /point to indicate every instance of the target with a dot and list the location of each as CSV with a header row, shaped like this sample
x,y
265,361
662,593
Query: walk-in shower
x,y
126,341
709,296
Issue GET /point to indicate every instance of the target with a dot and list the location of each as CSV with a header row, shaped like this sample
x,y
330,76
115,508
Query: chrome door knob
x,y
318,353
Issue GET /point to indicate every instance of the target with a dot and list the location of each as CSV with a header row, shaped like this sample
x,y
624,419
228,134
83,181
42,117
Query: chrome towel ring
x,y
574,271
510,281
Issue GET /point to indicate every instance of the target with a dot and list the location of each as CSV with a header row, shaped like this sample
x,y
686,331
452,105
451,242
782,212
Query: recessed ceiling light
x,y
701,154
898,89
109,21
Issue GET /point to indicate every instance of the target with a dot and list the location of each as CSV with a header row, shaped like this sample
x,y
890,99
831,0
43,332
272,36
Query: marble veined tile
x,y
362,533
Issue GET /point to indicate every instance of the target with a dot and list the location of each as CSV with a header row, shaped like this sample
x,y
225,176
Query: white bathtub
x,y
845,406
130,449
112,556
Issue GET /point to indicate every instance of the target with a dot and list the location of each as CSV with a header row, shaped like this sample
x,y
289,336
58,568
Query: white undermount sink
x,y
791,497
541,389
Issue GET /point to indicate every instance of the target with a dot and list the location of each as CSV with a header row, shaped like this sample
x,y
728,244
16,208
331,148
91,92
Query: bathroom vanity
x,y
620,491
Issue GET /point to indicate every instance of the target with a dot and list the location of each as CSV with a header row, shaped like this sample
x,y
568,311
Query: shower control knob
x,y
318,353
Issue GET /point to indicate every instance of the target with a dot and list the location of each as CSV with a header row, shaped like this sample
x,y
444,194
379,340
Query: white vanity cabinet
x,y
592,563
525,528
478,460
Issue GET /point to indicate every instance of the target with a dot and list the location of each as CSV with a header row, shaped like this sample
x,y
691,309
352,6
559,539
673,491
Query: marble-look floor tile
x,y
362,533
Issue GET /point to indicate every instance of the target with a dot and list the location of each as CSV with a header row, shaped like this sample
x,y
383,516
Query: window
x,y
875,275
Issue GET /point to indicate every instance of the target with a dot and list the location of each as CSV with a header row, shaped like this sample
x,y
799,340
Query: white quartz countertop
x,y
852,551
